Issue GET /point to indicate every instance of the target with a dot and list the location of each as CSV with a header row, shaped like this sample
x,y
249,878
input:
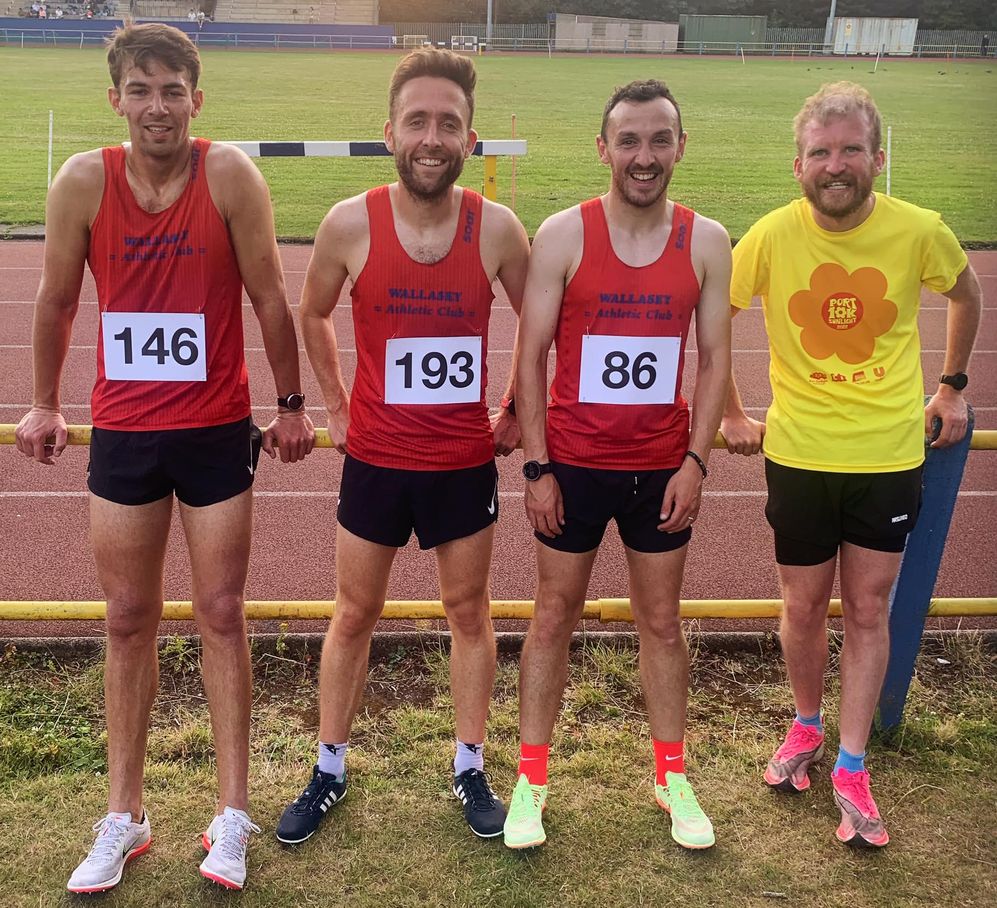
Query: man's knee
x,y
554,620
866,613
221,615
354,620
662,626
133,622
470,615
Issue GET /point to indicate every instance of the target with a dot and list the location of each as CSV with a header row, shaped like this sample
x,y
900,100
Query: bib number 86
x,y
618,373
617,369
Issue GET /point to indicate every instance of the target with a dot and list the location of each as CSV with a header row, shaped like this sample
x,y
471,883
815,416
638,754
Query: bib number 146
x,y
154,346
628,370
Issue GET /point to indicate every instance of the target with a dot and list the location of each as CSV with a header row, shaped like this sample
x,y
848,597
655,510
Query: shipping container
x,y
873,36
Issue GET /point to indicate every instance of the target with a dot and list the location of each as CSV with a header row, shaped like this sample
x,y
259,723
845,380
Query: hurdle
x,y
489,149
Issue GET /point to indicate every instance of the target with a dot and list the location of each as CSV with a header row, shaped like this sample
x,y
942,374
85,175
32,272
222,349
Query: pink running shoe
x,y
787,770
860,821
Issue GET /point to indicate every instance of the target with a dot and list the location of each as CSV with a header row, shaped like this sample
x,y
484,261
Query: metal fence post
x,y
911,594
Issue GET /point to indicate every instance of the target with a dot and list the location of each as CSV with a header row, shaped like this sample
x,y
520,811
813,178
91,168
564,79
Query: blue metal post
x,y
912,592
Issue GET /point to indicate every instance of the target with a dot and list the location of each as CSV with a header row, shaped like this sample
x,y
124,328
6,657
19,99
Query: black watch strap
x,y
293,401
533,470
958,381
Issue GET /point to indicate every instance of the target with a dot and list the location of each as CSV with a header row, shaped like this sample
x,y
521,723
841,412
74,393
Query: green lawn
x,y
399,841
738,117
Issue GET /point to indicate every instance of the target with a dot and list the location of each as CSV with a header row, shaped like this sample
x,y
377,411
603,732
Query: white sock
x,y
468,756
332,759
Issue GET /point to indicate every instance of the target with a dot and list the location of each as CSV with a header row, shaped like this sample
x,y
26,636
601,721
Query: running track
x,y
43,515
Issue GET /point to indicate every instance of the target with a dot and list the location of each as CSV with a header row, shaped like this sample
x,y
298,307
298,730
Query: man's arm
x,y
503,233
947,404
682,498
72,204
554,247
742,434
343,229
245,204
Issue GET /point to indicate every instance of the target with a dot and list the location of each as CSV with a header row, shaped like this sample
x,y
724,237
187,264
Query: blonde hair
x,y
839,99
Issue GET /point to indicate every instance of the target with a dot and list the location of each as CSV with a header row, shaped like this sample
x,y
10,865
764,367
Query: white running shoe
x,y
226,841
118,841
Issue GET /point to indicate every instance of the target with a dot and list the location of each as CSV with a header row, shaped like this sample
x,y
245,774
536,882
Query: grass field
x,y
738,117
399,841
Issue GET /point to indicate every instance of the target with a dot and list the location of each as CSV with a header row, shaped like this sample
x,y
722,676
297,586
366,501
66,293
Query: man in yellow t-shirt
x,y
840,273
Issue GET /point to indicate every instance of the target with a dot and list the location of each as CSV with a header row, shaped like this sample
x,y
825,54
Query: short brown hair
x,y
639,92
839,99
140,45
440,64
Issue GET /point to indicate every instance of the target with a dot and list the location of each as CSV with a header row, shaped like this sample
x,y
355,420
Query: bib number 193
x,y
432,370
154,346
628,370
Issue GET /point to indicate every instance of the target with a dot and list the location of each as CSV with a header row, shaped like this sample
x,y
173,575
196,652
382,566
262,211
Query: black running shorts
x,y
812,512
594,497
385,505
201,466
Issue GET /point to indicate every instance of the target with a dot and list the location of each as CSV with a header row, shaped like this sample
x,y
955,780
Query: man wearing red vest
x,y
421,255
615,282
172,228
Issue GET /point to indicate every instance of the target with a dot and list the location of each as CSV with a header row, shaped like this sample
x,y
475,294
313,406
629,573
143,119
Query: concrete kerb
x,y
384,645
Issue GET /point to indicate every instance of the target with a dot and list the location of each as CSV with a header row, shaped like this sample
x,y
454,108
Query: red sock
x,y
668,757
533,762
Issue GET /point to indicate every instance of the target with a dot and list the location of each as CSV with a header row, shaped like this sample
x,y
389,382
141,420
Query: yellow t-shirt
x,y
841,315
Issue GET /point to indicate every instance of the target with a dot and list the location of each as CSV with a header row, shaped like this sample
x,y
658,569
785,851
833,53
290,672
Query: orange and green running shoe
x,y
524,826
861,824
691,828
787,770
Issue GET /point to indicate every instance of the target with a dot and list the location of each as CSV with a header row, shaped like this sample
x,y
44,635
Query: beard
x,y
839,207
429,188
630,194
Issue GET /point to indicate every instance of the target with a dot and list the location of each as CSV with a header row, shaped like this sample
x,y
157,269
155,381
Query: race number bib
x,y
628,370
432,370
154,346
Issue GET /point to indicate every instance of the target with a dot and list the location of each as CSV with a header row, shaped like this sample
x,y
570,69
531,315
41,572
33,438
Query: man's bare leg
x,y
362,570
655,582
463,566
806,592
866,580
129,545
562,580
219,538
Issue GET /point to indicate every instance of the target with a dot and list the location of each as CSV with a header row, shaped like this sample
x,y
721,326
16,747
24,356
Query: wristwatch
x,y
533,469
295,401
957,381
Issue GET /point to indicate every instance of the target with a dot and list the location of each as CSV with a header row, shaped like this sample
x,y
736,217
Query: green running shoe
x,y
691,828
524,826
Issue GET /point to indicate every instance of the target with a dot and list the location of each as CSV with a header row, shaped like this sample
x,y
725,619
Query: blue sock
x,y
332,759
851,762
813,721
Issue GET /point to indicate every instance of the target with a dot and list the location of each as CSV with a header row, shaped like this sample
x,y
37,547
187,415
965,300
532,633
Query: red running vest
x,y
607,299
418,399
179,260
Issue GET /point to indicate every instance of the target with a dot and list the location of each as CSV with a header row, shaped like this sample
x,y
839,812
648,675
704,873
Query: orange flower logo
x,y
842,314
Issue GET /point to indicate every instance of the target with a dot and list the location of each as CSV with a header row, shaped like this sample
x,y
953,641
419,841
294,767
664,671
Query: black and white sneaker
x,y
300,819
483,811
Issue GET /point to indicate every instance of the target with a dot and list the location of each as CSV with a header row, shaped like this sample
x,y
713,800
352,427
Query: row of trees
x,y
974,14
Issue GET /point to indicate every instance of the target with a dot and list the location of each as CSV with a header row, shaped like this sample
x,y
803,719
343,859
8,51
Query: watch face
x,y
531,470
294,401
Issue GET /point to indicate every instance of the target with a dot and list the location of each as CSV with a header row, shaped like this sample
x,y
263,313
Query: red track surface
x,y
43,512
